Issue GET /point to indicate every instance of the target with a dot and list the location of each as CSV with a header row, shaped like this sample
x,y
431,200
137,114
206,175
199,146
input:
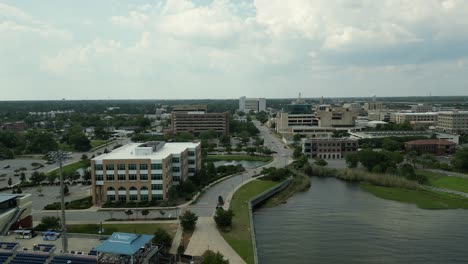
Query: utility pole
x,y
59,157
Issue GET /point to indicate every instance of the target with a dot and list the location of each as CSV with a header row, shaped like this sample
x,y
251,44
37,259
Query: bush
x,y
223,218
48,223
209,257
84,203
162,237
188,221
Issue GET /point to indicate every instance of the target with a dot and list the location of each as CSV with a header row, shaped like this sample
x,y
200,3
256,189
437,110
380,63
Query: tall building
x,y
373,106
252,104
455,122
143,172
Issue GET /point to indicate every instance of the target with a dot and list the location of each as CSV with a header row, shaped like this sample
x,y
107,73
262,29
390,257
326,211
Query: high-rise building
x,y
195,119
252,104
455,122
143,172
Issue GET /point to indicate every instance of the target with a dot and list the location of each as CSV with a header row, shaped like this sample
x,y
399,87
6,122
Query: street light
x,y
59,157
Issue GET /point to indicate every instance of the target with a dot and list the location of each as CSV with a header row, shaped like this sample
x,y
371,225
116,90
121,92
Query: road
x,y
207,202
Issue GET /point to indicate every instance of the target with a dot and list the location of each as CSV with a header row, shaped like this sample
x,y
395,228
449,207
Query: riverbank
x,y
239,237
300,182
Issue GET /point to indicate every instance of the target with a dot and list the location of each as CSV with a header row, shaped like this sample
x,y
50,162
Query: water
x,y
248,164
337,222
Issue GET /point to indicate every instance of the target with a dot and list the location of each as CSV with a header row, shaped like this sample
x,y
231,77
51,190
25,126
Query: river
x,y
338,222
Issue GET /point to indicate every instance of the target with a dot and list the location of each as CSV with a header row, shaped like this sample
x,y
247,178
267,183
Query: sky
x,y
181,49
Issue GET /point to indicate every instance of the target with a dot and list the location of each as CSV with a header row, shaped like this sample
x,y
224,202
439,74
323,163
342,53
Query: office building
x,y
331,116
416,120
252,104
329,148
438,147
373,106
421,108
453,122
195,119
143,172
15,212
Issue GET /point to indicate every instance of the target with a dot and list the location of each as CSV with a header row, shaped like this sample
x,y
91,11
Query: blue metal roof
x,y
124,243
6,197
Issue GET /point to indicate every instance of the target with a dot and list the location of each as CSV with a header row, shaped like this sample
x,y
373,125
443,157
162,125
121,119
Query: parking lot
x,y
18,163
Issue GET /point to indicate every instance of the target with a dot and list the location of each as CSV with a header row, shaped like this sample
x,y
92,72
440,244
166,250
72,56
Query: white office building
x,y
252,104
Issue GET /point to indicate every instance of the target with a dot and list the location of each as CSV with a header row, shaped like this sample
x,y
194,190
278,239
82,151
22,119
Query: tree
x,y
391,145
223,218
297,138
321,162
188,187
49,222
51,178
173,194
145,213
37,177
412,157
308,169
87,175
188,221
209,257
19,190
352,160
129,213
460,160
297,153
22,176
84,157
162,237
10,182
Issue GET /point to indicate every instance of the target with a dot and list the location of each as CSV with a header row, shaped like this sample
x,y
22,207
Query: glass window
x,y
121,166
132,166
191,162
122,198
176,178
156,187
156,176
144,197
144,177
175,169
110,177
156,166
157,197
175,160
109,166
191,153
133,197
191,169
143,166
99,177
110,197
98,166
122,177
132,177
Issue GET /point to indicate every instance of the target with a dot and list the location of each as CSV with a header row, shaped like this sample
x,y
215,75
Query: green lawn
x,y
446,182
422,198
239,237
70,168
126,228
96,143
238,157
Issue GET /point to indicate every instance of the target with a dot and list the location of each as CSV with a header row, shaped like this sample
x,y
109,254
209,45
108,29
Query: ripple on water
x,y
337,222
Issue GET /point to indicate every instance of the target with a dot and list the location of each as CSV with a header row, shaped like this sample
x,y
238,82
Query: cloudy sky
x,y
88,49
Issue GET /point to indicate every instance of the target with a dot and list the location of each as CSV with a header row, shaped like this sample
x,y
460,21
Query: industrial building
x,y
143,172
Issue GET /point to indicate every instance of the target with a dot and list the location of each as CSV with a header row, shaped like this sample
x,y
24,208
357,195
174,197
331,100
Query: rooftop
x,y
6,197
143,151
124,243
430,142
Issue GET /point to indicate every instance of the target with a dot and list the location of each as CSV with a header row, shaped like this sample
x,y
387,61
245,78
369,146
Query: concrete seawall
x,y
255,201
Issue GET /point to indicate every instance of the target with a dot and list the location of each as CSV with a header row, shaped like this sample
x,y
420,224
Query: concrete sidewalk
x,y
207,236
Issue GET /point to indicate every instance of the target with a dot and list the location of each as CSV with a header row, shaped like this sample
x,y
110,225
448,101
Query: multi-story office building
x,y
417,119
439,147
380,115
190,108
197,122
455,122
15,212
373,106
421,108
329,148
330,116
139,172
252,104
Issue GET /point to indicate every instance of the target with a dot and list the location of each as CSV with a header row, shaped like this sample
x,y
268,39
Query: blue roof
x,y
6,197
124,243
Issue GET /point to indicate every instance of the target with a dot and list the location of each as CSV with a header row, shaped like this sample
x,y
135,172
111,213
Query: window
x,y
99,177
175,169
132,166
156,197
156,176
110,189
191,153
191,170
111,197
132,177
143,166
123,196
121,166
191,162
175,160
143,197
109,166
156,187
133,194
97,166
144,177
121,177
176,178
110,177
156,166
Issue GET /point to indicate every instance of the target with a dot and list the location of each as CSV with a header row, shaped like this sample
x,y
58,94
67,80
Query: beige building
x,y
373,106
330,116
143,172
417,120
329,148
380,115
421,108
455,122
199,121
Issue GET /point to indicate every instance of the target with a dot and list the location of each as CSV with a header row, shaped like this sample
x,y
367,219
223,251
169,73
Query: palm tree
x,y
145,213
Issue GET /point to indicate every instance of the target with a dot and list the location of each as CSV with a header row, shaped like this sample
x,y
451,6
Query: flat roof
x,y
6,197
124,243
430,142
128,151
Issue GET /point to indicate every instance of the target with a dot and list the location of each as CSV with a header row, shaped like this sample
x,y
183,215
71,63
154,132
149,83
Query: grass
x,y
446,182
126,228
71,168
422,198
239,237
239,157
299,183
96,143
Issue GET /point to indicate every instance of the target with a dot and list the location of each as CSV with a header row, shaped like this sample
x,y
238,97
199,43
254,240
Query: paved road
x,y
207,203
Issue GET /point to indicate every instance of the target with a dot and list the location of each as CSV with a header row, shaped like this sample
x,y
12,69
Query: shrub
x,y
162,237
223,218
188,221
